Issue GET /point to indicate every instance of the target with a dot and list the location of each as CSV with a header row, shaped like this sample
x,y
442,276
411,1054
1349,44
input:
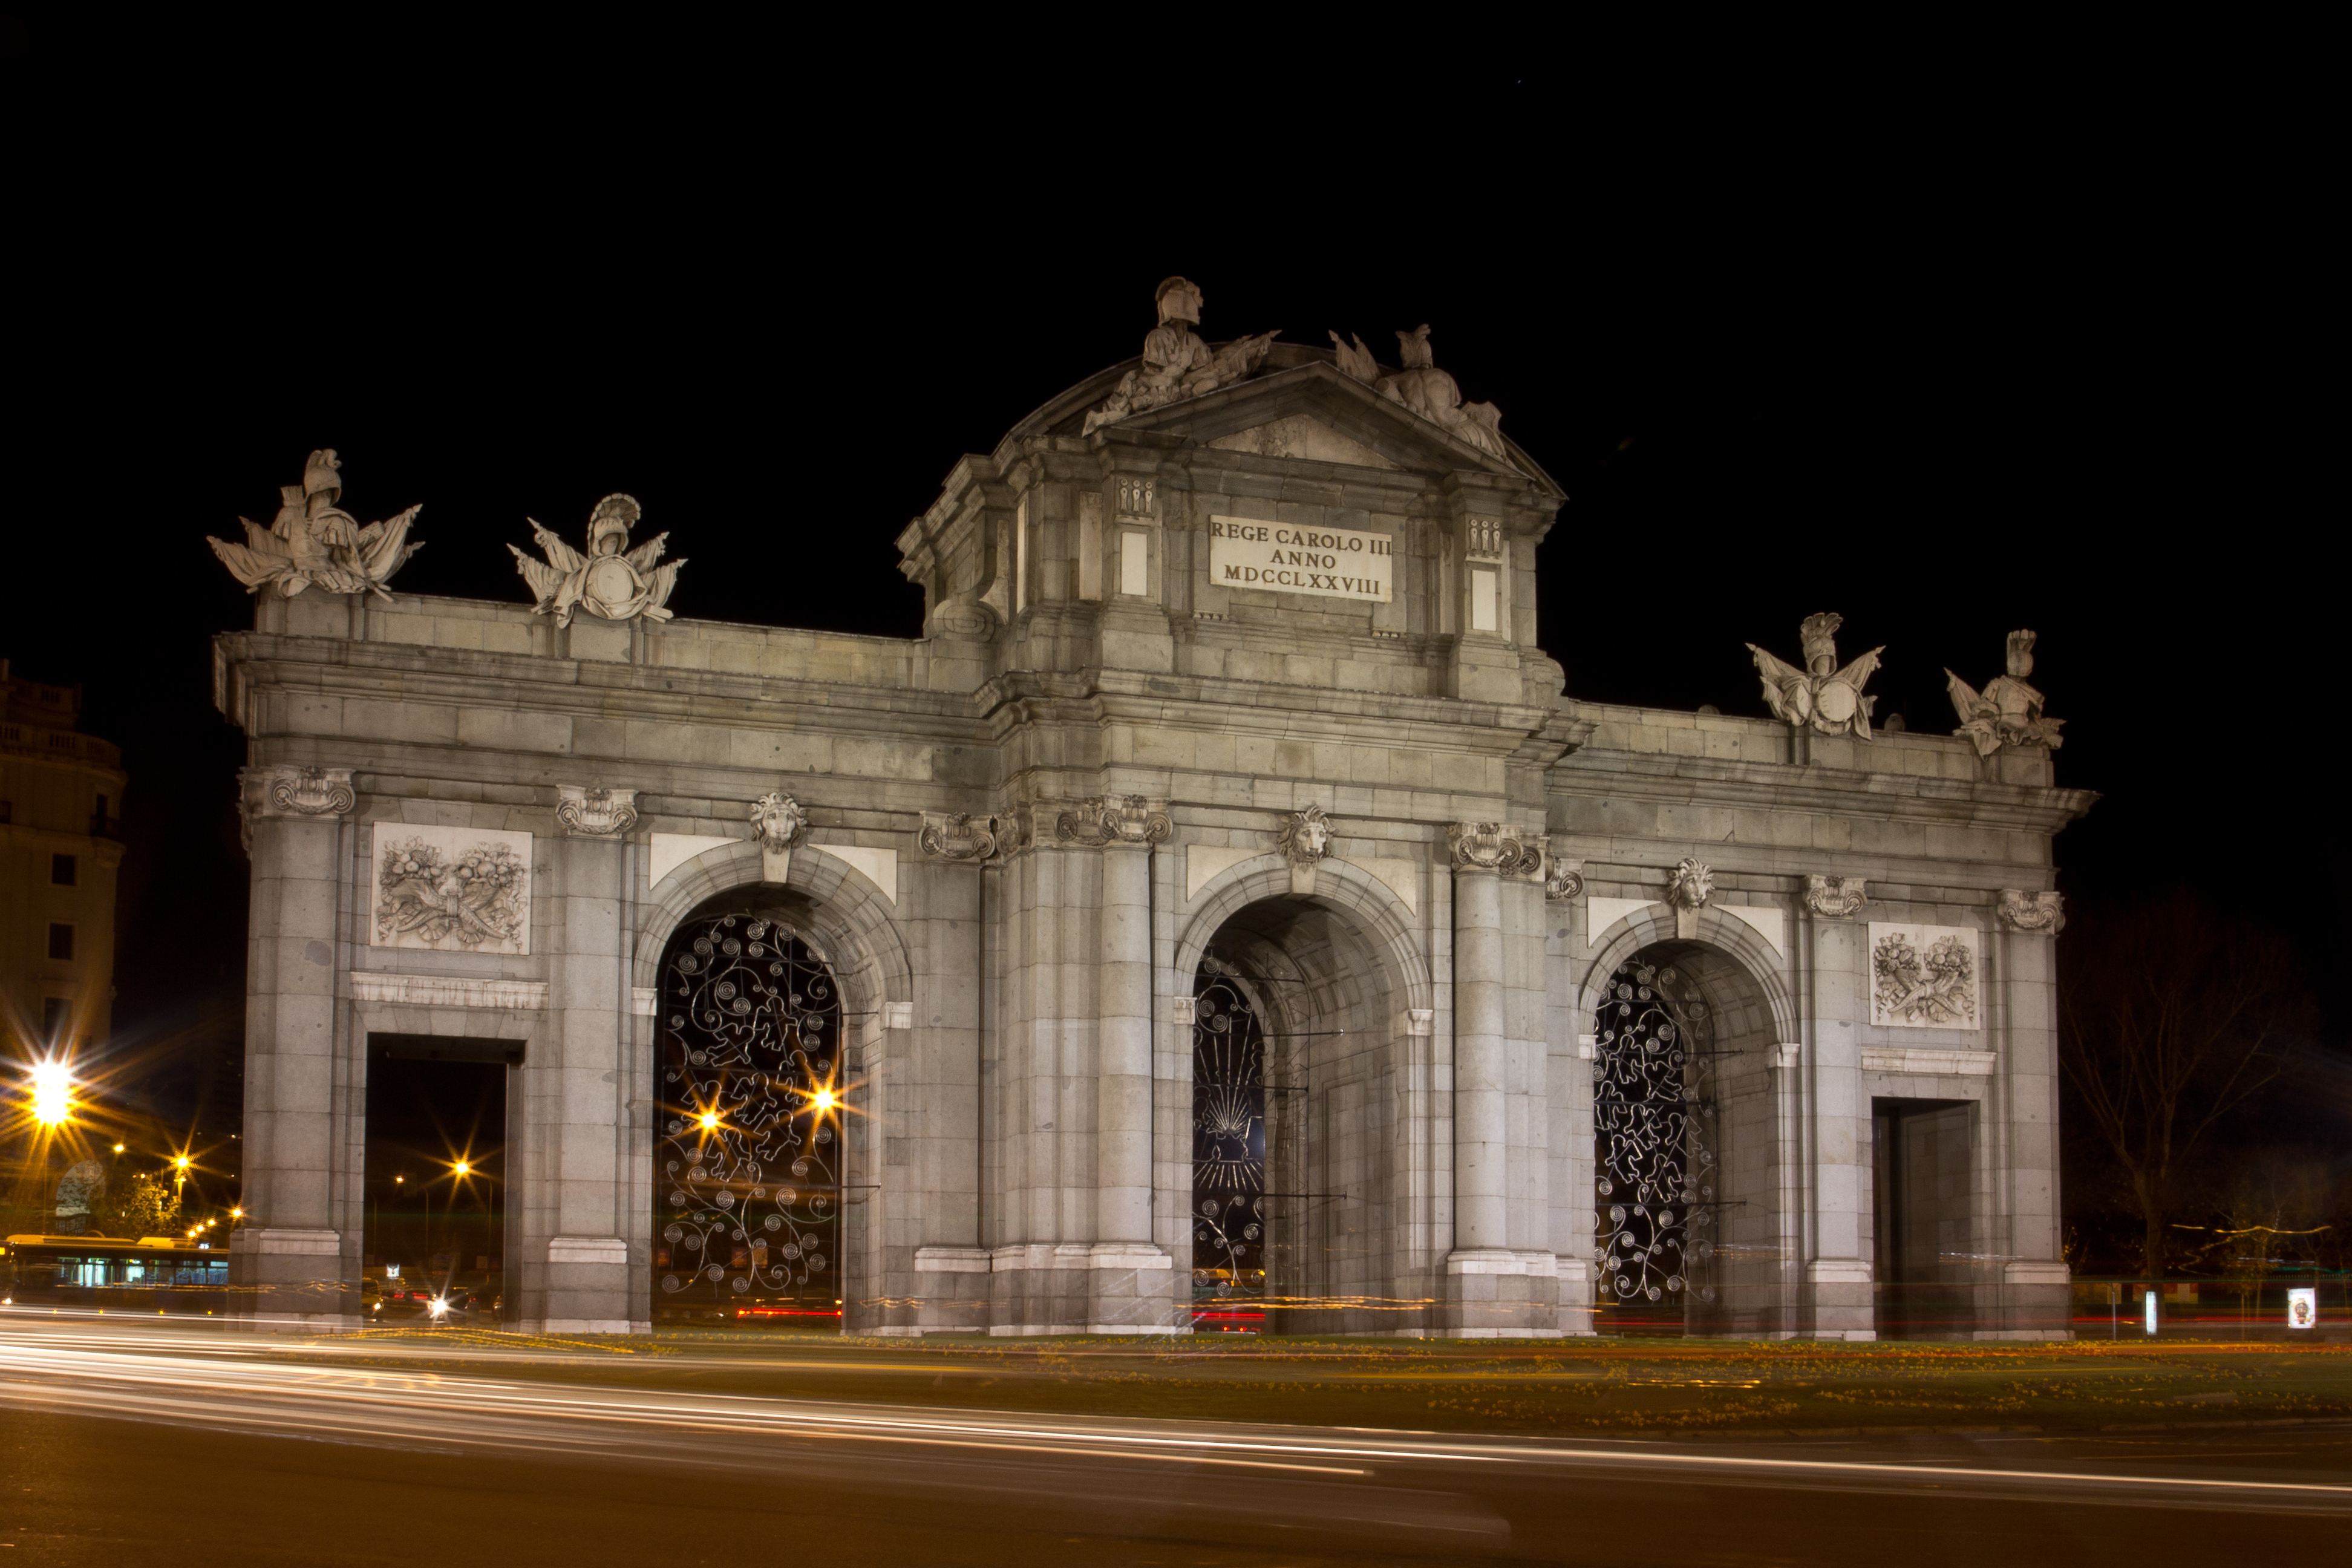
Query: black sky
x,y
1947,374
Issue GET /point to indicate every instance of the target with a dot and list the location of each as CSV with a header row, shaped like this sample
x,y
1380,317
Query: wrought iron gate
x,y
747,1157
1228,1156
1653,1128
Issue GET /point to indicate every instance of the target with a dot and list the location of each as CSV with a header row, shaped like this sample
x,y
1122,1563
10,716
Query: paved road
x,y
120,1444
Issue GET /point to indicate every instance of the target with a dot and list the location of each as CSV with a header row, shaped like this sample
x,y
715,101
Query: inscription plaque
x,y
1289,558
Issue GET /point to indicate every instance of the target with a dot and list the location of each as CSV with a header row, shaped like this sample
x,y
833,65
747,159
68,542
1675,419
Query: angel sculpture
x,y
605,582
1829,698
313,540
2008,712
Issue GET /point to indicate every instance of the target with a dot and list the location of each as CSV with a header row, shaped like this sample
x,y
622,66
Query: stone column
x,y
1569,1110
578,1101
287,1256
1490,1287
2035,1280
1130,1275
1838,1273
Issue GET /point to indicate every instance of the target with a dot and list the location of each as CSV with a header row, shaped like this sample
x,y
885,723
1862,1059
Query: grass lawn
x,y
1624,1387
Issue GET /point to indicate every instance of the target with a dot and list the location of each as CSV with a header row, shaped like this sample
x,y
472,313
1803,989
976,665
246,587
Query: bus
x,y
150,1276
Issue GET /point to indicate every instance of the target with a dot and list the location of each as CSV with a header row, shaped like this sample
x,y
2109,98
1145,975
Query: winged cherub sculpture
x,y
1821,695
611,580
2008,712
313,540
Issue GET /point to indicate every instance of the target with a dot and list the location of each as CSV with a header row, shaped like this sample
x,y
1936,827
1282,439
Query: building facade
x,y
1218,916
60,845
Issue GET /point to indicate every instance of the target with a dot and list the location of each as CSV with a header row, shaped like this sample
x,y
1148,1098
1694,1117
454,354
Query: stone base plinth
x,y
1843,1301
587,1288
1488,1293
951,1291
1080,1288
291,1281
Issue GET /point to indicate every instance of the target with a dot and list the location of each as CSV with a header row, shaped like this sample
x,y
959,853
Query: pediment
x,y
1301,435
1316,411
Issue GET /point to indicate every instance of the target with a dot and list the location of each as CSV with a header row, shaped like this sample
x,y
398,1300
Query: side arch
x,y
849,922
1654,925
844,919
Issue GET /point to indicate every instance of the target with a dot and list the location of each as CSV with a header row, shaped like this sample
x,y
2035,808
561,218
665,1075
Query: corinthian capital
x,y
1129,819
2043,912
594,812
1493,847
959,836
1833,898
283,790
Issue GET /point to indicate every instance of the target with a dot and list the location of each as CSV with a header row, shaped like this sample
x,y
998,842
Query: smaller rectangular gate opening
x,y
433,1183
1922,1214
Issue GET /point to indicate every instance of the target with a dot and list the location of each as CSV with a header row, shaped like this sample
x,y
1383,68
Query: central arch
x,y
1328,980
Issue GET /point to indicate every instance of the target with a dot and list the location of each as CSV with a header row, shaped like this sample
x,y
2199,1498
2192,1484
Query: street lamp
x,y
52,1092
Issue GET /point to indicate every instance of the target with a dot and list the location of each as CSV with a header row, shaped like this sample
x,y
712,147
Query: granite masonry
x,y
1230,664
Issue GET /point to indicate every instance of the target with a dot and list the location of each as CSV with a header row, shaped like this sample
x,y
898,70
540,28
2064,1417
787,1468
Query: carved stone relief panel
x,y
1925,977
450,889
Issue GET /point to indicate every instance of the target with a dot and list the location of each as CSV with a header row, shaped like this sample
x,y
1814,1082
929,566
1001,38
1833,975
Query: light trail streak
x,y
241,1383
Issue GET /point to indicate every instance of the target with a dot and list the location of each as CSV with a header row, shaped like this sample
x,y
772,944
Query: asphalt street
x,y
121,1442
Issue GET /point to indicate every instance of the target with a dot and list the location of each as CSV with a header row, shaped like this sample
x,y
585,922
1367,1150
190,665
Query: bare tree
x,y
2170,1016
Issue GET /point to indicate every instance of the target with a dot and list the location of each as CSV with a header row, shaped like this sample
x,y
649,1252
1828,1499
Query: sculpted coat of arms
x,y
612,579
314,541
1820,695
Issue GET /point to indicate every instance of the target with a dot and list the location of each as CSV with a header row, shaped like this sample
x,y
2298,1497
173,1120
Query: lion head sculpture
x,y
778,821
1304,835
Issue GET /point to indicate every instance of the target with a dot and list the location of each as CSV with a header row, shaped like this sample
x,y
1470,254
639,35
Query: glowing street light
x,y
709,1119
823,1100
52,1092
463,1167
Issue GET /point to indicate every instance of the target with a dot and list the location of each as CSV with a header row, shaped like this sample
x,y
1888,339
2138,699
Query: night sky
x,y
1946,385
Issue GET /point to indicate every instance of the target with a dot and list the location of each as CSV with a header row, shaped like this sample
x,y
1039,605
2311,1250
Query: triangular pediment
x,y
1301,435
1317,406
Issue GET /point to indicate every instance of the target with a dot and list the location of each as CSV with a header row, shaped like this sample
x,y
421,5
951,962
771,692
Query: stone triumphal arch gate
x,y
1218,916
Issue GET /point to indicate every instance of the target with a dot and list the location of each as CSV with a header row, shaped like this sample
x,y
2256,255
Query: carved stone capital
x,y
2041,913
1691,885
285,790
1128,820
1833,898
1563,878
959,836
1493,847
594,812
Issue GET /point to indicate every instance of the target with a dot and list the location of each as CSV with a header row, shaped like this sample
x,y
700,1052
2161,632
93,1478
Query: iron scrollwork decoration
x,y
1228,1155
1652,1118
747,1191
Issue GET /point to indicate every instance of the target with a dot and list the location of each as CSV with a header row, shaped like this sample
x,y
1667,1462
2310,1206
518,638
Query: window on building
x,y
64,869
102,806
60,939
57,1013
